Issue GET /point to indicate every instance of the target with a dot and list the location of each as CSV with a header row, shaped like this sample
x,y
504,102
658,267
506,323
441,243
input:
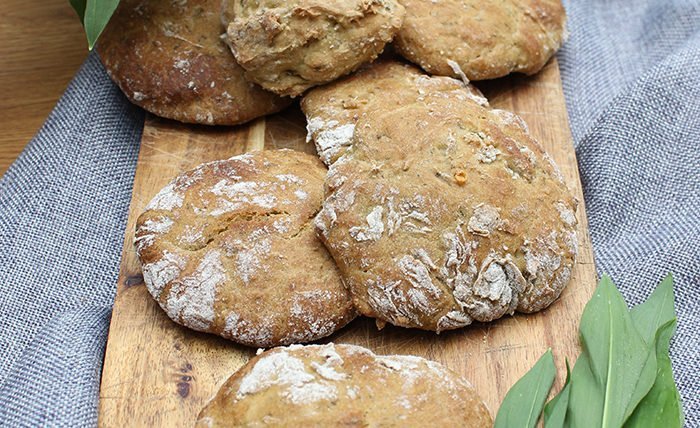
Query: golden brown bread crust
x,y
343,386
228,248
486,38
168,58
444,212
290,46
333,110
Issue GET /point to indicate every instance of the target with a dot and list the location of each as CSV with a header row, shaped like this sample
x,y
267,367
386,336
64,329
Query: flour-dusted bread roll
x,y
168,57
343,386
485,38
333,110
444,212
290,46
229,248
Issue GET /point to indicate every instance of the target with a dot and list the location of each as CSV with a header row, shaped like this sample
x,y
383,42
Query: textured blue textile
x,y
63,210
631,72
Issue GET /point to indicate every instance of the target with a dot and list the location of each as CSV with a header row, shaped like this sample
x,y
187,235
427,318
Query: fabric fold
x,y
63,210
55,382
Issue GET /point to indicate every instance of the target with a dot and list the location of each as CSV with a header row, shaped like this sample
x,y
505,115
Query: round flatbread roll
x,y
168,58
444,212
228,248
290,46
486,39
333,110
343,385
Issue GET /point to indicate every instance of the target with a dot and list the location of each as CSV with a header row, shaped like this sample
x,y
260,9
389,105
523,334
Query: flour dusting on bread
x,y
226,248
321,385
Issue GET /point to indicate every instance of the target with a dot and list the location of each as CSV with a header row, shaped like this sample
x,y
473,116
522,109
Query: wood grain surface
x,y
42,44
157,373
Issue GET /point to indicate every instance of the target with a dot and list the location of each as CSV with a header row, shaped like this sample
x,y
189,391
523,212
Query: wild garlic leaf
x,y
652,316
555,410
97,14
585,407
79,6
624,373
656,322
661,407
615,369
645,382
657,310
522,406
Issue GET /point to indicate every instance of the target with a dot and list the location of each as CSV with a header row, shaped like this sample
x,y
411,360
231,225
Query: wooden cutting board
x,y
157,373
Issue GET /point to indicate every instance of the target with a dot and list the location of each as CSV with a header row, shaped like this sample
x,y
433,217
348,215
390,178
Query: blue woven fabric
x,y
631,72
63,210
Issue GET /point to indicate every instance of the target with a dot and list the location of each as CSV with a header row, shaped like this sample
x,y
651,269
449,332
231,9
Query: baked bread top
x,y
485,38
333,110
290,46
343,386
228,248
443,212
168,58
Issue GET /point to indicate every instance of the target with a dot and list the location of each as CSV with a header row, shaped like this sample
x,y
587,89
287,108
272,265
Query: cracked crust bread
x,y
228,248
167,57
290,46
486,39
343,386
333,110
444,212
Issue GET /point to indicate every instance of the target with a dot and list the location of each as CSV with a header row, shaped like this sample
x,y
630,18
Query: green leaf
x,y
79,6
97,14
656,322
522,406
615,370
662,405
657,310
555,410
623,376
645,382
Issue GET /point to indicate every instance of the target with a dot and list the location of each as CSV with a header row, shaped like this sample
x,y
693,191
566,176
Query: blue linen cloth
x,y
631,73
